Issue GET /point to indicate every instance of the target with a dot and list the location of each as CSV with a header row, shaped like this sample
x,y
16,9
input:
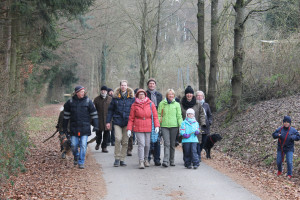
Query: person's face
x,y
80,94
151,85
141,95
170,96
189,96
111,93
286,124
123,86
190,115
103,92
199,97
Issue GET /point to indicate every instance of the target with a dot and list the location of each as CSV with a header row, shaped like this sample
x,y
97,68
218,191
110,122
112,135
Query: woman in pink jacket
x,y
140,121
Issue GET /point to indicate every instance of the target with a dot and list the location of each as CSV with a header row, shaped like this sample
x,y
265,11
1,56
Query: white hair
x,y
201,93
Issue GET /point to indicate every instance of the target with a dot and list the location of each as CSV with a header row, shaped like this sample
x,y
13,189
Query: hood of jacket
x,y
117,93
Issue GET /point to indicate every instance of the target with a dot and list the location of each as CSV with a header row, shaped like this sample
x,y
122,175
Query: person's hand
x,y
156,129
197,132
129,133
186,135
107,126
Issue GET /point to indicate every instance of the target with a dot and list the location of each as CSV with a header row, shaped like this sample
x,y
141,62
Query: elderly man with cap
x,y
79,110
102,103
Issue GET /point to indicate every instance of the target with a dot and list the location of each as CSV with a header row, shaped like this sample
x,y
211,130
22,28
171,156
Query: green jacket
x,y
169,115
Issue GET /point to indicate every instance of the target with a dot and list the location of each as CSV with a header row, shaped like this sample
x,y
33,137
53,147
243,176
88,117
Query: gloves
x,y
156,129
203,126
186,135
95,129
129,133
196,132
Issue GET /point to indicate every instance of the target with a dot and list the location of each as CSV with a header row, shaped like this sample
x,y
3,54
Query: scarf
x,y
124,94
141,101
190,120
188,104
103,95
153,96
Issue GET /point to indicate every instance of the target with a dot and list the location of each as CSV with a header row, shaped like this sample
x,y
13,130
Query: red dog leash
x,y
211,140
282,144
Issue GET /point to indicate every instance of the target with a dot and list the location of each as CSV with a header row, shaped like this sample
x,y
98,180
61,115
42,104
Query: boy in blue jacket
x,y
189,130
286,136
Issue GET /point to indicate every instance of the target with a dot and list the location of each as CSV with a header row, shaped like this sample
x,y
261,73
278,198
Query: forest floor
x,y
50,177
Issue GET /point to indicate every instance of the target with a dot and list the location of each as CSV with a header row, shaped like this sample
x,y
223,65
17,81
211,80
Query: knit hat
x,y
151,79
190,111
109,89
287,119
78,88
189,89
139,91
104,88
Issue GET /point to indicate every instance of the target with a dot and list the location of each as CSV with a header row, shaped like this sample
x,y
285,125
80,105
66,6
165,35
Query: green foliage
x,y
223,98
12,153
284,18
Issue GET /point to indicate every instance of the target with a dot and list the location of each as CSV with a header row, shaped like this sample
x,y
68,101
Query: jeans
x,y
289,161
155,150
82,143
190,154
105,138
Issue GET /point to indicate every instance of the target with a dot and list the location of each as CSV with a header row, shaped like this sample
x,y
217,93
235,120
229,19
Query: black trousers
x,y
103,139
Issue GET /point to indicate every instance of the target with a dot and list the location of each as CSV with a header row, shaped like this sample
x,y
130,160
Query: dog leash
x,y
281,145
211,140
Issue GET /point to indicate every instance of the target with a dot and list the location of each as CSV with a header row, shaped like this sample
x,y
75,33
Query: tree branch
x,y
256,11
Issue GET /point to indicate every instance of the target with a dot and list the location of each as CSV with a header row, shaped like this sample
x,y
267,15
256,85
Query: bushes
x,y
12,153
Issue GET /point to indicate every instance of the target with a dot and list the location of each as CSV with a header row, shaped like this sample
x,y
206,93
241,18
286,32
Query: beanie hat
x,y
78,88
189,89
139,91
287,119
109,89
190,111
151,79
104,88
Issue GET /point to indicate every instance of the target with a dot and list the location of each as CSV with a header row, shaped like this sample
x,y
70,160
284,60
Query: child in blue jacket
x,y
189,130
286,136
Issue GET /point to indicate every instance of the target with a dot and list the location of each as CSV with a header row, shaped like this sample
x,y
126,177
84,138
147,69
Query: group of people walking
x,y
143,113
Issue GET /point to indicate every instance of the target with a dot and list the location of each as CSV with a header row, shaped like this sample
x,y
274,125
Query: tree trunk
x,y
214,51
143,47
18,58
13,56
201,53
238,58
103,63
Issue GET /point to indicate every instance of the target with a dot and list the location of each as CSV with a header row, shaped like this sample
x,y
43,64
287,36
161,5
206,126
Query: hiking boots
x,y
81,166
141,166
97,147
165,165
157,164
104,150
146,163
117,163
129,153
122,163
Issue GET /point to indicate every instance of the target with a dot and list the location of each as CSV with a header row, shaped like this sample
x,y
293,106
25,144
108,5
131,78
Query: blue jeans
x,y
82,143
289,161
190,154
155,150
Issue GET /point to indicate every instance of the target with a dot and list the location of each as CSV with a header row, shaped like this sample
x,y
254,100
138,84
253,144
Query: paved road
x,y
172,183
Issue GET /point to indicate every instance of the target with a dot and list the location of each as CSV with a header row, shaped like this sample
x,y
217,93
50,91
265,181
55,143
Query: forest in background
x,y
48,47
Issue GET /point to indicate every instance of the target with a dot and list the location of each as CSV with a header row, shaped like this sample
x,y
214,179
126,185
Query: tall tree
x,y
201,44
213,55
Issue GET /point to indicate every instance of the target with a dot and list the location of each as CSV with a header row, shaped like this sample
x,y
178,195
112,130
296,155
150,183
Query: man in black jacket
x,y
156,98
79,110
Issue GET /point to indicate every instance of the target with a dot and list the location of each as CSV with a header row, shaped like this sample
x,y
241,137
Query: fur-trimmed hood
x,y
117,93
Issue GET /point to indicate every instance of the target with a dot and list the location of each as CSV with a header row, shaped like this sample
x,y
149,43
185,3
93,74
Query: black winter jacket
x,y
119,108
80,112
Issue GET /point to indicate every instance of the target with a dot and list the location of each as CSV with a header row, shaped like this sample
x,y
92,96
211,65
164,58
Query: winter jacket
x,y
119,108
169,115
208,117
189,126
289,143
102,105
158,97
140,119
80,112
199,113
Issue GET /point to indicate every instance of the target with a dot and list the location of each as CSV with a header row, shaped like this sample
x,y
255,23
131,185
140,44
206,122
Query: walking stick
x,y
51,136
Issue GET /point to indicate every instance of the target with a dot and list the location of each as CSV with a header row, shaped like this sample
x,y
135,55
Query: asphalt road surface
x,y
172,183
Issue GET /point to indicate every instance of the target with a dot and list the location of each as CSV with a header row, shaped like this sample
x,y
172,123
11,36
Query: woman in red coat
x,y
140,121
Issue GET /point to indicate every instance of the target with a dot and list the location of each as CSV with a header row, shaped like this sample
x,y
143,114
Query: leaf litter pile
x,y
47,175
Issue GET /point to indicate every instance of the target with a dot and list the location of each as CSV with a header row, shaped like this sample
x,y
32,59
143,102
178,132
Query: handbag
x,y
154,136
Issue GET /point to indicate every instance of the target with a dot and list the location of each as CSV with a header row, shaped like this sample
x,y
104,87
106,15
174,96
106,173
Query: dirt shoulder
x,y
47,175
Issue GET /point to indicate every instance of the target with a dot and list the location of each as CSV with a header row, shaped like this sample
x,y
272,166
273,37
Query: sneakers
x,y
146,163
129,153
116,163
279,173
141,166
81,166
63,155
104,150
289,176
97,147
122,163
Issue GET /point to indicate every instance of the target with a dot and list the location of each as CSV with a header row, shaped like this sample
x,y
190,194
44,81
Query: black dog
x,y
209,143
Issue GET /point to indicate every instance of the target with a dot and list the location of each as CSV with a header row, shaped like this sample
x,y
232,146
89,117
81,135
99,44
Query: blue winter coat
x,y
189,126
289,143
119,108
80,112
